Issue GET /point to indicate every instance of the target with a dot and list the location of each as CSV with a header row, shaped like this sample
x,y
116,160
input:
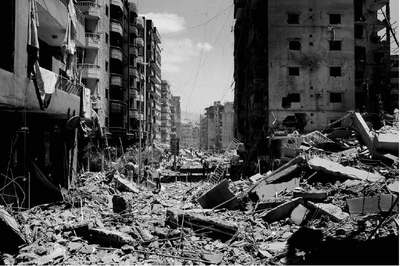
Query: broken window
x,y
335,18
289,99
335,71
294,45
335,97
359,31
294,71
293,18
335,45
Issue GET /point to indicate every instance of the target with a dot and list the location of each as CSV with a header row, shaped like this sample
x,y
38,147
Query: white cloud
x,y
204,46
178,51
167,22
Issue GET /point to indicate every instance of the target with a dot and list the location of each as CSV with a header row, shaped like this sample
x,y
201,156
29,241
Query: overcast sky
x,y
197,43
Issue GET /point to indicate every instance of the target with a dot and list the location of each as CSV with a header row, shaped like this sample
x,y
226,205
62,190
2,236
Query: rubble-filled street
x,y
332,203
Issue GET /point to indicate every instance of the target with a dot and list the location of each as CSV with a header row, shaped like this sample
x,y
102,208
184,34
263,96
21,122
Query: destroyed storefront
x,y
43,105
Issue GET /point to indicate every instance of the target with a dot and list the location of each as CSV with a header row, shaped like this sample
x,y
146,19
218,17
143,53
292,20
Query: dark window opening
x,y
360,54
335,18
335,45
295,45
359,31
311,44
335,97
293,18
106,92
359,74
378,57
358,10
7,25
294,71
107,10
107,66
335,71
289,99
106,37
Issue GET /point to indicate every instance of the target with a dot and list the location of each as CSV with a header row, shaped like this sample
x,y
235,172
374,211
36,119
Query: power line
x,y
210,19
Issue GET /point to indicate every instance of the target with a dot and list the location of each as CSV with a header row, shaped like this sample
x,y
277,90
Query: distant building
x,y
216,127
203,133
227,124
166,112
189,138
176,121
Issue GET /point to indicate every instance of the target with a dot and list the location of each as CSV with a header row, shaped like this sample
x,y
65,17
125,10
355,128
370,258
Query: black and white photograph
x,y
199,132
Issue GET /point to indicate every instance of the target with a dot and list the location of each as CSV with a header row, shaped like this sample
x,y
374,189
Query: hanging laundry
x,y
46,82
33,39
86,103
69,45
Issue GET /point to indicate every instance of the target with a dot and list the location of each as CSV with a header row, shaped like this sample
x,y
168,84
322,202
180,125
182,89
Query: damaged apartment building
x,y
45,109
301,64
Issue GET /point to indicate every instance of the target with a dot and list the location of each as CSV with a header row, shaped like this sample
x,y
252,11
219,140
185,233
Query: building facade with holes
x,y
323,58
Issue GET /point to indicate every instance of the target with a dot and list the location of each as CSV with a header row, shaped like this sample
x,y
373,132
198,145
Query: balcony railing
x,y
133,50
140,23
90,70
116,27
118,3
139,42
93,40
134,30
69,86
90,8
116,53
116,80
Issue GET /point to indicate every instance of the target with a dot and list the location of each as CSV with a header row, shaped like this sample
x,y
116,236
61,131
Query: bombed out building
x,y
304,64
43,105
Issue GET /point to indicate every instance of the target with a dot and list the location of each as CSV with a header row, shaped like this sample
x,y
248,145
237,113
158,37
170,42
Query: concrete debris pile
x,y
333,200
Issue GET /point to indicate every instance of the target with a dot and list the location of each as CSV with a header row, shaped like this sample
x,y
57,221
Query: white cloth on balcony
x,y
46,82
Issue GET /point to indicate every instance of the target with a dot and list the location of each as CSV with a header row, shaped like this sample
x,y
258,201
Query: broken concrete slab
x,y
356,121
372,205
264,191
387,142
313,195
201,224
394,187
125,185
333,211
271,203
57,253
336,169
299,214
11,236
219,197
282,211
109,238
